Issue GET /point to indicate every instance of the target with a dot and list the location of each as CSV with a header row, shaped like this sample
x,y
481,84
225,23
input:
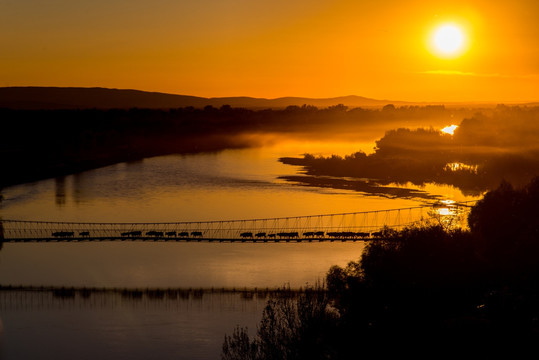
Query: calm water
x,y
233,184
137,264
110,326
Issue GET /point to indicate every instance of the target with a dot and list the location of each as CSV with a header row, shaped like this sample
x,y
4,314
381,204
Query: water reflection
x,y
449,216
122,324
44,297
232,184
365,187
79,186
60,191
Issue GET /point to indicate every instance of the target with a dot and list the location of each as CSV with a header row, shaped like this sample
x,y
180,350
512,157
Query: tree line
x,y
484,149
47,143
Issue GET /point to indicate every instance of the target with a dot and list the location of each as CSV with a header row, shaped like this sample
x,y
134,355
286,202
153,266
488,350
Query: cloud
x,y
459,73
473,74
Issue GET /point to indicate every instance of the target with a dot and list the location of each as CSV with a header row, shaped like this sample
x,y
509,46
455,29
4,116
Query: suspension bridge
x,y
352,226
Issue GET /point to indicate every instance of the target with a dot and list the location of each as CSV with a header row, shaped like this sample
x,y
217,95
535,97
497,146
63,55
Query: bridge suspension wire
x,y
343,226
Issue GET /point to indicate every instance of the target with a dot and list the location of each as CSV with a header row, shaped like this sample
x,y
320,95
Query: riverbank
x,y
26,167
40,144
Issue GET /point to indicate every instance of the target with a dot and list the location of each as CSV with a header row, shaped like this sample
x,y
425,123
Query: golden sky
x,y
273,48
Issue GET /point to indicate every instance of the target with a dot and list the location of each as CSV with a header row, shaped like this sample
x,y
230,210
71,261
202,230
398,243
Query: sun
x,y
448,40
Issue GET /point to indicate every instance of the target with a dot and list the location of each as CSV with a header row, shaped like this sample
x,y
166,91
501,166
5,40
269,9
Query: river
x,y
232,184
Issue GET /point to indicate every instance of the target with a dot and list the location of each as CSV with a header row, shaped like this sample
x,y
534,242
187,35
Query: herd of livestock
x,y
242,235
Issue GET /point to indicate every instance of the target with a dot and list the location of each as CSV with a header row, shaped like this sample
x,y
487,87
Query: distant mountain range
x,y
102,98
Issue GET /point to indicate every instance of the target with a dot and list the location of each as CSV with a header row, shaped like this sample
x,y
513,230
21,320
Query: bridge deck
x,y
358,226
178,239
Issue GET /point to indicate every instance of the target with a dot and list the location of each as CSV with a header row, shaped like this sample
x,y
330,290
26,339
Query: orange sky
x,y
273,48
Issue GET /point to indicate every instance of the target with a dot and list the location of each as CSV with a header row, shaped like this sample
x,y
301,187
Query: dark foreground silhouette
x,y
422,291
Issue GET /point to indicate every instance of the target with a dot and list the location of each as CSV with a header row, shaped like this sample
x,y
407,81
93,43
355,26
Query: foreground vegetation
x,y
423,288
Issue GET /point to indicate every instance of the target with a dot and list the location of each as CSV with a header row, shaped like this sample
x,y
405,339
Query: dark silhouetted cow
x,y
63,234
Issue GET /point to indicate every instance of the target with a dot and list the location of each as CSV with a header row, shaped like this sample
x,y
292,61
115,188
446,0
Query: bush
x,y
294,325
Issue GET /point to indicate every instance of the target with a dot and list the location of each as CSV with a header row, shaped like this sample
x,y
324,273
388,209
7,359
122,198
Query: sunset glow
x,y
339,175
413,51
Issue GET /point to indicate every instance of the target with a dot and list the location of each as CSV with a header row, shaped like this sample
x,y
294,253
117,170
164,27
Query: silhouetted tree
x,y
507,222
293,326
1,225
421,288
239,346
389,108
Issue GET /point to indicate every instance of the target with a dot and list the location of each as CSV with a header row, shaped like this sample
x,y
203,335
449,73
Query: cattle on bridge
x,y
132,233
367,225
288,235
63,234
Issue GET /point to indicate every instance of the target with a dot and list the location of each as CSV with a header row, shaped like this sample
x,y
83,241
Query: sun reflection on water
x,y
450,129
458,166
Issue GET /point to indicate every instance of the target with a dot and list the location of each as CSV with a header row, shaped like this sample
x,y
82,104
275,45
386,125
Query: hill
x,y
102,98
